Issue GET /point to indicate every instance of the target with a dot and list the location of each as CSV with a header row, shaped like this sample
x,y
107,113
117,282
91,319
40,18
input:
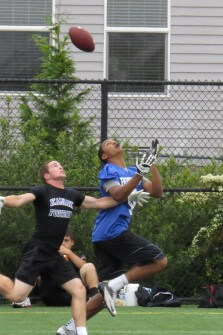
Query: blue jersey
x,y
111,222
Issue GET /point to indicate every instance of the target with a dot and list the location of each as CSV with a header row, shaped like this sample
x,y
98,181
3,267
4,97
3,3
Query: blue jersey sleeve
x,y
109,172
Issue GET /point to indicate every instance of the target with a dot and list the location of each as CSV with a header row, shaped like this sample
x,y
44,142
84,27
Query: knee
x,y
16,297
78,290
162,263
87,267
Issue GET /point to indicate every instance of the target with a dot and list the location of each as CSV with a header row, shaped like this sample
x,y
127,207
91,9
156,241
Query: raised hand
x,y
147,159
140,197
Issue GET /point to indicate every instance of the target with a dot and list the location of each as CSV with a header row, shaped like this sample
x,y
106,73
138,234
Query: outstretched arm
x,y
18,200
101,203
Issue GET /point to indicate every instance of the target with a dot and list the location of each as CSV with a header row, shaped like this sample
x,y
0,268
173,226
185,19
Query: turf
x,y
184,320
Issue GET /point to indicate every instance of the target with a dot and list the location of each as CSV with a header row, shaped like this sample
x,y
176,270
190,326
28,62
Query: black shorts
x,y
127,248
36,262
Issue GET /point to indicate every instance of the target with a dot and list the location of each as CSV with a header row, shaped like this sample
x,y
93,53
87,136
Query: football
x,y
82,39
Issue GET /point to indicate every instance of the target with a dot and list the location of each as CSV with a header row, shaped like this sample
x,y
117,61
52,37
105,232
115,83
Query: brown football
x,y
82,39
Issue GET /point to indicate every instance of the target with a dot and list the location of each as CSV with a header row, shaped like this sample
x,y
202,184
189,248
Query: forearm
x,y
101,203
77,261
121,193
156,188
18,200
106,202
12,201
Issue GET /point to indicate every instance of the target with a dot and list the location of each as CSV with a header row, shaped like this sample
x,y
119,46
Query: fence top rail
x,y
105,81
96,189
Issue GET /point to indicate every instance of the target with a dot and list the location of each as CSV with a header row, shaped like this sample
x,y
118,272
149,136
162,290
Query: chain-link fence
x,y
186,117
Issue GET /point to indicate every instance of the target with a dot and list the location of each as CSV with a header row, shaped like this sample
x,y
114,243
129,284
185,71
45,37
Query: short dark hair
x,y
100,153
69,234
43,170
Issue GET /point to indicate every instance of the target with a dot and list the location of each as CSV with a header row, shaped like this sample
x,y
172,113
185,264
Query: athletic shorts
x,y
127,248
36,262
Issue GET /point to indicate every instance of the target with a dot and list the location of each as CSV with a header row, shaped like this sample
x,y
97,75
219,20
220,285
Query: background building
x,y
153,40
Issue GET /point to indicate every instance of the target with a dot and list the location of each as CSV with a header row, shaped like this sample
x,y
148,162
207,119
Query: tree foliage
x,y
172,223
51,109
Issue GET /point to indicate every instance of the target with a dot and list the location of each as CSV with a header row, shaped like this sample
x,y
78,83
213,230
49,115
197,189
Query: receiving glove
x,y
2,200
140,197
147,159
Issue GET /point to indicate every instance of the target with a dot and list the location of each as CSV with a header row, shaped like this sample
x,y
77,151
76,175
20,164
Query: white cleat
x,y
24,304
64,331
109,296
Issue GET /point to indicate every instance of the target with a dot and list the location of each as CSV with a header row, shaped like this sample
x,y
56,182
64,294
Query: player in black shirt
x,y
54,205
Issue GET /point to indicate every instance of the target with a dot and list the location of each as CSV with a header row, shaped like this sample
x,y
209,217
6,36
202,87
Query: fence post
x,y
104,110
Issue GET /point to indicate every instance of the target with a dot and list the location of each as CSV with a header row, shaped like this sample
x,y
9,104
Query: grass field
x,y
184,320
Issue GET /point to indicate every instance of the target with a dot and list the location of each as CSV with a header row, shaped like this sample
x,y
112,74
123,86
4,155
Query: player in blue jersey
x,y
114,243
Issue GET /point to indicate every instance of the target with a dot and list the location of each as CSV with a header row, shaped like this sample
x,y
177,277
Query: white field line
x,y
152,332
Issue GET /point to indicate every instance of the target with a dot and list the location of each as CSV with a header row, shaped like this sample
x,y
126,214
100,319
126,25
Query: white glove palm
x,y
2,200
147,159
140,197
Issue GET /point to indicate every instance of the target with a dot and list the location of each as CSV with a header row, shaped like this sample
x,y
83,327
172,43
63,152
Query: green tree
x,y
52,108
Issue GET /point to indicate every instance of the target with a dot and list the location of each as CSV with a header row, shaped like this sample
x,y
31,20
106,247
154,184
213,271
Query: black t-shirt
x,y
53,210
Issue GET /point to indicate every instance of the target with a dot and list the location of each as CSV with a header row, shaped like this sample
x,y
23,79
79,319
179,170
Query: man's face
x,y
110,149
68,242
55,171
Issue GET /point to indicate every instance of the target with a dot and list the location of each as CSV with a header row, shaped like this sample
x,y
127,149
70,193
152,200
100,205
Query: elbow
x,y
157,193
